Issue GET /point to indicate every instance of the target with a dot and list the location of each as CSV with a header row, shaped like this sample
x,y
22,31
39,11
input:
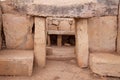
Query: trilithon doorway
x,y
60,38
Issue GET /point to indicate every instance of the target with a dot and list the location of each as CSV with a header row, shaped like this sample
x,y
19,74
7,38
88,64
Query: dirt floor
x,y
60,70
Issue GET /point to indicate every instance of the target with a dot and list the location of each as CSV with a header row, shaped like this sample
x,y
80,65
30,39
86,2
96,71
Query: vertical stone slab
x,y
82,42
40,41
18,31
118,36
0,27
102,34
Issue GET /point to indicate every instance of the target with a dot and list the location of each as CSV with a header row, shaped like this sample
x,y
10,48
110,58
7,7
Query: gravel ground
x,y
60,70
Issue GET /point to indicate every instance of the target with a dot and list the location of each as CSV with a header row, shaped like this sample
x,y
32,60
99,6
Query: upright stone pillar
x,y
40,41
82,42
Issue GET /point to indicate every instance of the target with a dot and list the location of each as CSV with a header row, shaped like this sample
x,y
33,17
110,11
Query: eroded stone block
x,y
18,31
105,64
16,62
102,34
82,42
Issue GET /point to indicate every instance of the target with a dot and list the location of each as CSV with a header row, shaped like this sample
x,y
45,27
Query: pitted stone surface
x,y
68,8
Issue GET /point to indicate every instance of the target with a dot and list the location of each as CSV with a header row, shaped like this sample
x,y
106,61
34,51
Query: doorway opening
x,y
61,47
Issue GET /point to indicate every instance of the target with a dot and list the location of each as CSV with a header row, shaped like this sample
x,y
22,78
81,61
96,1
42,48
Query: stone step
x,y
60,53
105,64
16,62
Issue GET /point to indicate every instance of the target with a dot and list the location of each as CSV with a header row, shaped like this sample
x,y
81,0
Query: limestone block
x,y
102,34
18,31
82,42
16,62
69,8
105,64
40,41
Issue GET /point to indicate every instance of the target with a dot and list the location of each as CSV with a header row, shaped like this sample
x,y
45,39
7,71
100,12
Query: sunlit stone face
x,y
63,2
2,0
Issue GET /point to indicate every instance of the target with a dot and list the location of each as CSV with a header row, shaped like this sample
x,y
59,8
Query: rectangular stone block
x,y
40,41
102,34
16,62
18,31
82,42
105,64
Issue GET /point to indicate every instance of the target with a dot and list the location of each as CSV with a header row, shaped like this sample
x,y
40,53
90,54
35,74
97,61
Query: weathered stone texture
x,y
105,64
118,36
0,27
18,31
40,41
102,34
7,7
82,42
16,62
69,8
60,24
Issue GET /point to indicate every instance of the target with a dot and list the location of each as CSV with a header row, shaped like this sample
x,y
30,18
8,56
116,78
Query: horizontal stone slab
x,y
68,8
16,62
105,64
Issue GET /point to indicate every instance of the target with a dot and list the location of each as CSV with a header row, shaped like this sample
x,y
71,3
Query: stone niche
x,y
60,28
